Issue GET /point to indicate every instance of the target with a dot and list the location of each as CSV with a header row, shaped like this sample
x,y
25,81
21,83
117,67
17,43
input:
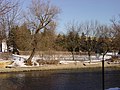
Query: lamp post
x,y
105,49
103,78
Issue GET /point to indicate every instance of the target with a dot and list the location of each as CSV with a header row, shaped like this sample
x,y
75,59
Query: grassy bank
x,y
79,65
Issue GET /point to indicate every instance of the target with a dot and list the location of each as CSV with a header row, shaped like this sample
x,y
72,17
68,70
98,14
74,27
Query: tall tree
x,y
20,37
23,38
116,34
5,6
90,29
60,42
72,42
104,41
46,38
73,39
83,42
9,18
41,14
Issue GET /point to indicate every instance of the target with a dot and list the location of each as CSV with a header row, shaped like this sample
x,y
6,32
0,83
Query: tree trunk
x,y
74,56
34,43
29,62
89,55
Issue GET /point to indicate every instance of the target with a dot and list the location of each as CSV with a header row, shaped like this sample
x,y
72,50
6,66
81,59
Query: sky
x,y
85,10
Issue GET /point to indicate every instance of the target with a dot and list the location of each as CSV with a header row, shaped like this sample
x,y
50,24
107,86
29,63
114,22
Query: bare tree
x,y
90,31
116,33
6,6
41,14
104,39
73,38
9,19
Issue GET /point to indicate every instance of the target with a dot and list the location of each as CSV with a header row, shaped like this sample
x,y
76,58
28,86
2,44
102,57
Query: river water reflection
x,y
59,80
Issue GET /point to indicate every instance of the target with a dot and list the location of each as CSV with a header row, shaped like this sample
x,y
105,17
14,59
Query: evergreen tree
x,y
60,42
73,42
83,42
20,37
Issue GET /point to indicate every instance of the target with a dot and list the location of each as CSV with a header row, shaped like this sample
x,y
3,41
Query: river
x,y
59,80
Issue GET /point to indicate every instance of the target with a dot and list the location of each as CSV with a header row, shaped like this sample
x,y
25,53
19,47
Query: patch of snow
x,y
116,88
67,62
18,61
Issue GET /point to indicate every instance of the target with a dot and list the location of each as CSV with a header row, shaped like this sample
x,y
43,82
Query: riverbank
x,y
79,65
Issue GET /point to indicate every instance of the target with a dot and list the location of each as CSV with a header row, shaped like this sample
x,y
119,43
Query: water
x,y
59,80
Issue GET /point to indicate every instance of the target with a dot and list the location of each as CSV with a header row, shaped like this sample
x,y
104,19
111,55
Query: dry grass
x,y
48,62
5,56
3,64
58,67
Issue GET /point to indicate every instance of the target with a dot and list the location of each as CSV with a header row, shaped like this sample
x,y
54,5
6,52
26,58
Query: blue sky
x,y
85,10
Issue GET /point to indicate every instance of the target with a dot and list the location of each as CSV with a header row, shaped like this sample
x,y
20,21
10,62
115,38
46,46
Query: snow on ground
x,y
64,59
113,88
